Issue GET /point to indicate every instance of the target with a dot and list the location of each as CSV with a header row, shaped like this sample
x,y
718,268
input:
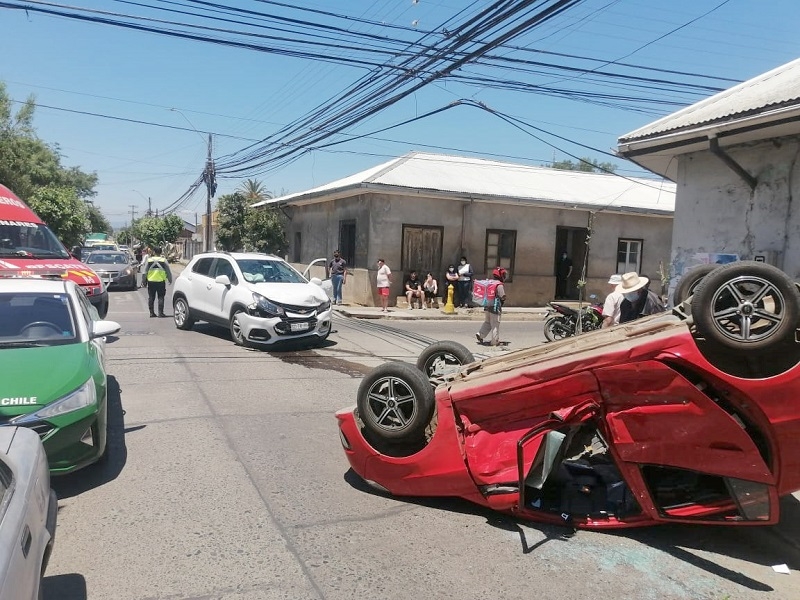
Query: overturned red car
x,y
689,416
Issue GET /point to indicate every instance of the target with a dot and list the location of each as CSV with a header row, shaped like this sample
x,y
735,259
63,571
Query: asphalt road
x,y
227,480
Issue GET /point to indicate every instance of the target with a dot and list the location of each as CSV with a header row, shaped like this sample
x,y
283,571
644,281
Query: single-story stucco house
x,y
734,157
423,211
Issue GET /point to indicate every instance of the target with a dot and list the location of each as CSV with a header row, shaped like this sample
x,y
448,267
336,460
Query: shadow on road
x,y
765,545
112,464
71,586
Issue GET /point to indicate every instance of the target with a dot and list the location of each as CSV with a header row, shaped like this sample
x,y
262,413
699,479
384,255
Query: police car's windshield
x,y
35,319
29,240
257,270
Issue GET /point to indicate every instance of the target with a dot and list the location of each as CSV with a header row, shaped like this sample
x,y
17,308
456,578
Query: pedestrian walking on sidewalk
x,y
157,273
338,270
384,282
492,312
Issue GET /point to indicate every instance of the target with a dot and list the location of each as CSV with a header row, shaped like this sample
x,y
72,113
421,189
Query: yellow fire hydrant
x,y
449,307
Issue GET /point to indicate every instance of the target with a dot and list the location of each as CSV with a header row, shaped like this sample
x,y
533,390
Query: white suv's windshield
x,y
255,270
29,240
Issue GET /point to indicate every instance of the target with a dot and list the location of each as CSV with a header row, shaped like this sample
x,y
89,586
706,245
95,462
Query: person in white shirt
x,y
464,283
611,307
384,282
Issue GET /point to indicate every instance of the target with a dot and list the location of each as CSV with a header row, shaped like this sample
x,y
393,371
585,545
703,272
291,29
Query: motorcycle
x,y
562,321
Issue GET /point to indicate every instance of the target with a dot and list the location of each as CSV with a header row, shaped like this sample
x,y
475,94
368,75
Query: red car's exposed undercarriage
x,y
643,423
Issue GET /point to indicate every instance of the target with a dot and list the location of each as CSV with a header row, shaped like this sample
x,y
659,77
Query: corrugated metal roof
x,y
776,88
492,179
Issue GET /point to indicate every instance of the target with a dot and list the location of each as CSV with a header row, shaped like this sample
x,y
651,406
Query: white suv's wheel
x,y
182,314
236,329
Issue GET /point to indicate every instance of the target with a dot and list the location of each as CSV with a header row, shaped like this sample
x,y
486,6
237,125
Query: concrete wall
x,y
716,211
318,225
379,230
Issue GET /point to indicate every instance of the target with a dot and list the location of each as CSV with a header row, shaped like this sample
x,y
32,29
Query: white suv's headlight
x,y
84,396
324,306
267,306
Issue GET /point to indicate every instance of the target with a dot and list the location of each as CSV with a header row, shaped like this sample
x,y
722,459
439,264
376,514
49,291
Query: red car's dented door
x,y
684,456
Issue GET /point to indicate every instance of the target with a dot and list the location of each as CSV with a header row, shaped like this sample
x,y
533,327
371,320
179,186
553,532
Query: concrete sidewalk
x,y
461,314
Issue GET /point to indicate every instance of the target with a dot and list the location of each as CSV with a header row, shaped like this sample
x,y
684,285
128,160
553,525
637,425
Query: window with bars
x,y
629,255
501,246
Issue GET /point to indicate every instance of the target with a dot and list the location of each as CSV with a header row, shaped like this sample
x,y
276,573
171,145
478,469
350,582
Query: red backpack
x,y
484,293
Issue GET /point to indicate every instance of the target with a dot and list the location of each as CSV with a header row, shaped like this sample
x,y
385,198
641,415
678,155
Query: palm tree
x,y
254,191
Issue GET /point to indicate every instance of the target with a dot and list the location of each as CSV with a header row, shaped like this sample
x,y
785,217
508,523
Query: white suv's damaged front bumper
x,y
270,330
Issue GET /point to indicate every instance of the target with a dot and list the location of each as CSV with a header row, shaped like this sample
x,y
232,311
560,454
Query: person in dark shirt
x,y
414,290
338,270
563,273
638,299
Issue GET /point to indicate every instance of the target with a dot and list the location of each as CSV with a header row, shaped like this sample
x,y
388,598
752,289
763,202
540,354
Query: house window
x,y
629,256
500,249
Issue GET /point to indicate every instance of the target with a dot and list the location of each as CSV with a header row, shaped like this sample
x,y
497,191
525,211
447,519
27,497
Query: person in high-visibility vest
x,y
157,273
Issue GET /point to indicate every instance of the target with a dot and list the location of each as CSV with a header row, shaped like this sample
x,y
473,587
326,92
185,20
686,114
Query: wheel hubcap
x,y
748,309
392,405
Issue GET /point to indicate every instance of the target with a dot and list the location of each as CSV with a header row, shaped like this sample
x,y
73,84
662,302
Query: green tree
x,y
63,211
254,191
33,170
586,164
156,231
231,212
97,221
125,236
265,230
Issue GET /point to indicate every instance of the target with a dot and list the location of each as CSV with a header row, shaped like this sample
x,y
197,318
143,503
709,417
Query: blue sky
x,y
243,95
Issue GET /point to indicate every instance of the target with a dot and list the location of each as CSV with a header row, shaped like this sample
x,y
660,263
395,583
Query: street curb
x,y
373,313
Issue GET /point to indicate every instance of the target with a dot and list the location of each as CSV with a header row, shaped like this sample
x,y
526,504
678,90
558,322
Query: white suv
x,y
261,298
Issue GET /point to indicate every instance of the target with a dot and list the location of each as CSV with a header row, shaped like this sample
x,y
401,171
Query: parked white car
x,y
261,298
28,513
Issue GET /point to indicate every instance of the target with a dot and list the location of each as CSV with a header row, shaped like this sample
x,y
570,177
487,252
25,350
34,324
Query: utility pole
x,y
149,206
209,176
133,213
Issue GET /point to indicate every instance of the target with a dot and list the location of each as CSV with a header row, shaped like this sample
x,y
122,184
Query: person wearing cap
x,y
157,273
638,299
611,307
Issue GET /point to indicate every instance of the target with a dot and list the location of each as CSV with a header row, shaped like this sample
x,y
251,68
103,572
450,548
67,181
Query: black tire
x,y
690,281
182,314
748,306
395,402
441,358
557,328
235,329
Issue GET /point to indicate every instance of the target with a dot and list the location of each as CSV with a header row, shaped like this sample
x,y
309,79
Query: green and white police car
x,y
52,366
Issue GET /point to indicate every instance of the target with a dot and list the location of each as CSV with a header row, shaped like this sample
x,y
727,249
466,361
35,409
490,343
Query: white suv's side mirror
x,y
223,280
316,281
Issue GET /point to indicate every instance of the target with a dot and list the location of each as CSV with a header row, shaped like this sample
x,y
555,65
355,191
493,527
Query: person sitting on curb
x,y
431,288
414,291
